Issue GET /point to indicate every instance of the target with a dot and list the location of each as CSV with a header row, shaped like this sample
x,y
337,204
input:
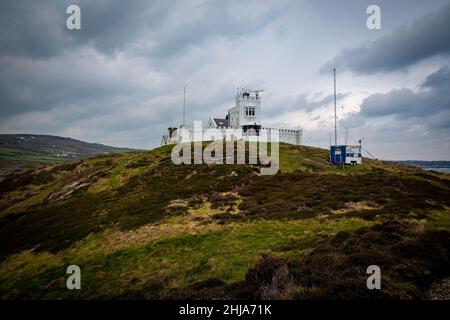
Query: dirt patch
x,y
440,290
68,190
356,206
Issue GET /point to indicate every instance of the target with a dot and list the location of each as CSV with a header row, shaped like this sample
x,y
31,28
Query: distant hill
x,y
141,227
18,151
427,164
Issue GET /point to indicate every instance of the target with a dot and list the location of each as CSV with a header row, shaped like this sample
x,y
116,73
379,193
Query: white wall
x,y
209,134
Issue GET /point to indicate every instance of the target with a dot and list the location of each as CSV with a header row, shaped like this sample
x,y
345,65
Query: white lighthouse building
x,y
247,110
244,117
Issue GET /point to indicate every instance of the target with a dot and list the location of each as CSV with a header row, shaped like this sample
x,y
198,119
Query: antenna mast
x,y
184,105
335,117
346,135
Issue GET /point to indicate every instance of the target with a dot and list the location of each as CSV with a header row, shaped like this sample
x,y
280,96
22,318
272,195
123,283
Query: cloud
x,y
439,79
432,98
81,78
158,29
114,61
214,19
305,102
402,120
423,38
108,25
405,123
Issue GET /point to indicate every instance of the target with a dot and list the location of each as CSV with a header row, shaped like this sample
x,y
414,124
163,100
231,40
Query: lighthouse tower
x,y
247,110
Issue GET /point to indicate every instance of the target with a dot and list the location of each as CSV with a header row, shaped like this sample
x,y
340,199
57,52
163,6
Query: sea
x,y
443,169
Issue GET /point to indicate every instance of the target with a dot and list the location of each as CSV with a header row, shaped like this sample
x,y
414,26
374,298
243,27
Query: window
x,y
250,111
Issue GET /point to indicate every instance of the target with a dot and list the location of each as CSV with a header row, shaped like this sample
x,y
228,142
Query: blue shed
x,y
337,155
345,154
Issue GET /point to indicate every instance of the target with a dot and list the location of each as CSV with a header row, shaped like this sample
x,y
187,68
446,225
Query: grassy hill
x,y
141,227
19,151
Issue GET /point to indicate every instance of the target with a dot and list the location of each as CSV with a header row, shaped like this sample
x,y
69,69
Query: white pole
x,y
335,116
346,135
184,105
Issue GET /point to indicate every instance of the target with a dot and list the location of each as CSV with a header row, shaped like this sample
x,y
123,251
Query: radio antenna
x,y
335,116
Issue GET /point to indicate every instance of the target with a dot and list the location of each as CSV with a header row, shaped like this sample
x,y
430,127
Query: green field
x,y
16,155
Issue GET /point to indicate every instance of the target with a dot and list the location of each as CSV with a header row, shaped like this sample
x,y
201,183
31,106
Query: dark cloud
x,y
153,28
30,29
431,100
38,29
217,19
44,66
26,86
114,25
438,79
402,120
422,38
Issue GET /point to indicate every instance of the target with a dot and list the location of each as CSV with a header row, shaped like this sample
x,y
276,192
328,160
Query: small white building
x,y
244,117
346,155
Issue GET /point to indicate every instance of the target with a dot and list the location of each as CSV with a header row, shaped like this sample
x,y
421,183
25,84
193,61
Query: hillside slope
x,y
141,227
18,151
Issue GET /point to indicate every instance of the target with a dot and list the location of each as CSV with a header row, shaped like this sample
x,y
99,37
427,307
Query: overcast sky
x,y
119,80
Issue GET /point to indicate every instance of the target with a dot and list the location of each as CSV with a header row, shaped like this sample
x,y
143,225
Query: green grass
x,y
293,158
9,155
226,253
438,220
